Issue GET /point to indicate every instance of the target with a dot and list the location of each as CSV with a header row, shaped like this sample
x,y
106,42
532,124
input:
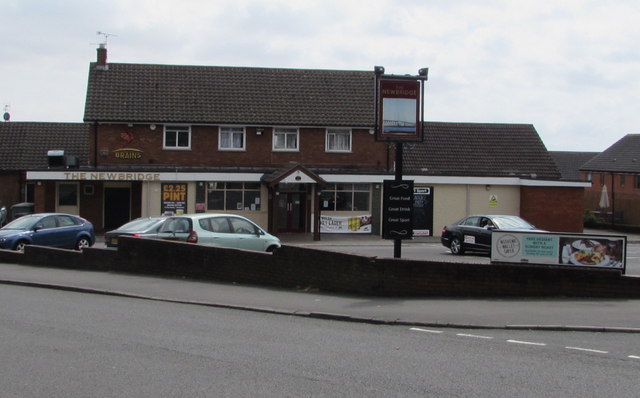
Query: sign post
x,y
399,119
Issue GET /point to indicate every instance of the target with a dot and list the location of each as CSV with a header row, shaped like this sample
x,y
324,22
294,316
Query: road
x,y
58,343
437,252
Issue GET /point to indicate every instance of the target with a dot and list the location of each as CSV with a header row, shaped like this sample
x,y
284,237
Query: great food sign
x,y
578,250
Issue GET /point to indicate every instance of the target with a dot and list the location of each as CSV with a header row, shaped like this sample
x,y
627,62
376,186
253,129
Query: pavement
x,y
560,314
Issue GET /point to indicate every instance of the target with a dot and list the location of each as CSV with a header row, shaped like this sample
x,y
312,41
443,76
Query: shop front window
x,y
346,197
233,196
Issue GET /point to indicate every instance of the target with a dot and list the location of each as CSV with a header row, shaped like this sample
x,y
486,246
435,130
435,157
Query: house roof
x,y
229,95
30,141
569,163
621,157
479,150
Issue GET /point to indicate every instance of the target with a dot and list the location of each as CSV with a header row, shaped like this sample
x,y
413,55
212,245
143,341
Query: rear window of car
x,y
138,225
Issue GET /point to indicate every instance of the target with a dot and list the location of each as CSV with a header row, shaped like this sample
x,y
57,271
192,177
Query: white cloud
x,y
569,68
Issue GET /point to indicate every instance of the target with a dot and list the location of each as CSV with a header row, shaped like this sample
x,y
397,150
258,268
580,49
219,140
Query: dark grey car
x,y
473,233
144,227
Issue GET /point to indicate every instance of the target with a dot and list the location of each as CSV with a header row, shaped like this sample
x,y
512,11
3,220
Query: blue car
x,y
47,229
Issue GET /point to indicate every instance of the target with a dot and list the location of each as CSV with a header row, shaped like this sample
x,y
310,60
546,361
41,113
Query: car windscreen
x,y
511,223
24,222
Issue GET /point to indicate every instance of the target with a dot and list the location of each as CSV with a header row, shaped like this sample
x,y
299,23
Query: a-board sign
x,y
397,212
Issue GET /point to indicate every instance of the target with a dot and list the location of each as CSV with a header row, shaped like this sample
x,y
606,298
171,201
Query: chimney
x,y
102,57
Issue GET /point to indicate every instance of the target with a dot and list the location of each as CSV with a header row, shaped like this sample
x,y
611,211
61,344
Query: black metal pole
x,y
397,243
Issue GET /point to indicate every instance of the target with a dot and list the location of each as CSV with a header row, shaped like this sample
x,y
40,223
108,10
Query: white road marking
x,y
475,336
526,342
634,357
426,330
587,350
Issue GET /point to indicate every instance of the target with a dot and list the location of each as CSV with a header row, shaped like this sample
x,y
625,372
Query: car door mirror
x,y
37,227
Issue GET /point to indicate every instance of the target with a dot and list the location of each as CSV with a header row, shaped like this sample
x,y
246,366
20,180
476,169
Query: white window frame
x,y
330,144
286,132
232,131
177,128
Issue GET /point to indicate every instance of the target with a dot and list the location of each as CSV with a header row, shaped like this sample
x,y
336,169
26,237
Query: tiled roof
x,y
480,149
621,157
569,163
233,95
25,144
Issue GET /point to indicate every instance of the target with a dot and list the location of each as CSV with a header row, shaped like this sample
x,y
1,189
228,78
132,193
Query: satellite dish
x,y
6,116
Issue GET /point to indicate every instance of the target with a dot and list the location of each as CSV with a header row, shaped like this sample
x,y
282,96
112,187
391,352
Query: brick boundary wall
x,y
301,268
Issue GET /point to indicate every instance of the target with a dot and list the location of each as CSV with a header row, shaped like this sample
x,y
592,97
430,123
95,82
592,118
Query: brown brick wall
x,y
558,209
337,272
10,184
204,152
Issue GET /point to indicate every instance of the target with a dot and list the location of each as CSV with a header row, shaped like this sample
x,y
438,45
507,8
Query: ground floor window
x,y
67,194
233,196
346,197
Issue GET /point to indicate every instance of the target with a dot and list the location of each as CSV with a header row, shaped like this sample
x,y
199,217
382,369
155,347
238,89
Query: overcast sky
x,y
571,68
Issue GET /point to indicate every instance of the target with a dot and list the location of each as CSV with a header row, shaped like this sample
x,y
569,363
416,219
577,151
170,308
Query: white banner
x,y
582,250
345,225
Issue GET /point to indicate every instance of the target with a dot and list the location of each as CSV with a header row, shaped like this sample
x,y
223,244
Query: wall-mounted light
x,y
487,187
379,70
259,131
423,72
152,127
104,152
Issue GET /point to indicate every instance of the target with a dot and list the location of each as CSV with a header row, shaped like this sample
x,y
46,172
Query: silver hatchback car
x,y
226,230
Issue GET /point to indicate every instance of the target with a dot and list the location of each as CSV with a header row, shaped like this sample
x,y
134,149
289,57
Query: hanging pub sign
x,y
397,212
399,116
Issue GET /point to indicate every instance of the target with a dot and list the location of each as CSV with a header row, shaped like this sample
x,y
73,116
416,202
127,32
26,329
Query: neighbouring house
x,y
615,173
293,150
27,146
569,163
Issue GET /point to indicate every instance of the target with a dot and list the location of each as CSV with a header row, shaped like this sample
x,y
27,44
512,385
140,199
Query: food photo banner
x,y
578,250
345,225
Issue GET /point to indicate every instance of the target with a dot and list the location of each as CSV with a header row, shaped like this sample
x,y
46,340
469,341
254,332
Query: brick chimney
x,y
102,57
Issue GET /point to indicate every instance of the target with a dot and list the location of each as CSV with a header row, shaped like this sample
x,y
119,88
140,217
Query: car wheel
x,y
271,249
20,246
82,243
456,246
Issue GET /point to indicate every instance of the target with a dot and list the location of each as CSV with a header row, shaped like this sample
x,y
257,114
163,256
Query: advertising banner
x,y
174,198
345,225
579,250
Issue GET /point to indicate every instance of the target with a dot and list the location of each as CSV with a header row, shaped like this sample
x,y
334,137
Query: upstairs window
x,y
285,139
231,139
177,137
338,140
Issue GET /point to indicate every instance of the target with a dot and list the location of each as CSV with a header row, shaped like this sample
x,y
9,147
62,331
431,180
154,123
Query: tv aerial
x,y
106,36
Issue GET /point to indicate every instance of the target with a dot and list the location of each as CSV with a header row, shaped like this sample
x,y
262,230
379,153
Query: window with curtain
x,y
232,138
285,139
338,140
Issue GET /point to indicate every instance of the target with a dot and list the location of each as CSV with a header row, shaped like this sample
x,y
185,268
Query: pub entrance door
x,y
291,208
